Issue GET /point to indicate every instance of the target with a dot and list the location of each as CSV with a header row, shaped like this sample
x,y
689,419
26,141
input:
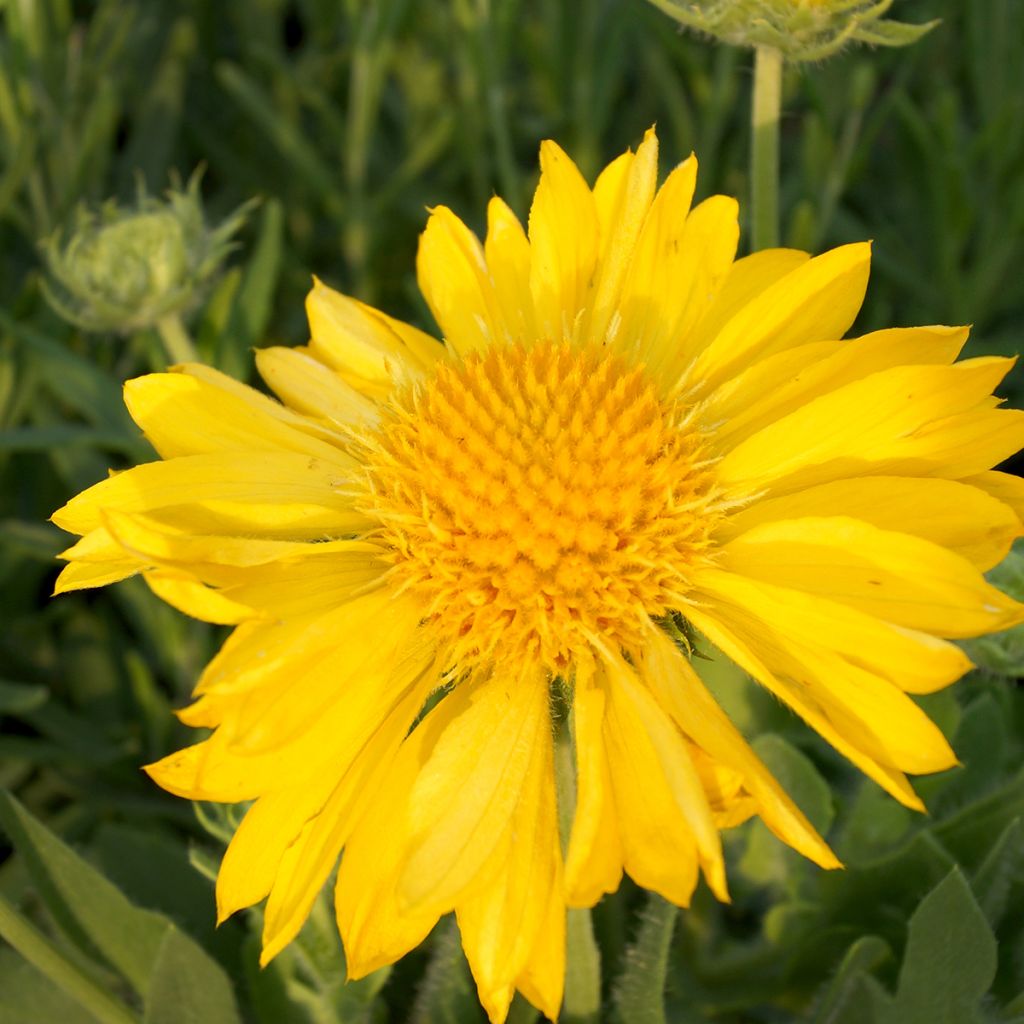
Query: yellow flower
x,y
629,439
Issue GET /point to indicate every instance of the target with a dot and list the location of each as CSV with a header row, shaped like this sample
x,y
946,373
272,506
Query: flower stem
x,y
39,951
764,149
177,343
582,1003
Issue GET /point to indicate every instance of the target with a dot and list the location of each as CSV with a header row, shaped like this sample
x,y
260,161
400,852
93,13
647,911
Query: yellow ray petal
x,y
372,351
593,863
878,419
454,279
500,920
254,854
737,635
955,515
183,415
609,190
891,575
664,818
681,692
746,278
507,252
276,491
193,598
912,660
542,980
817,301
564,243
1004,487
375,930
471,783
776,386
619,233
309,860
311,387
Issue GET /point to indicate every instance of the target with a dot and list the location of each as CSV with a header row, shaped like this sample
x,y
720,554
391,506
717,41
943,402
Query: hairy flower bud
x,y
803,30
123,270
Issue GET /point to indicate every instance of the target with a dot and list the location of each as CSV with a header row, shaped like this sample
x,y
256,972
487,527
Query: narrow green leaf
x,y
39,951
27,996
89,910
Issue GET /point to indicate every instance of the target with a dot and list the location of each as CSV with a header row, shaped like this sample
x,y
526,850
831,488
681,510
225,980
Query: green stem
x,y
764,149
640,991
582,1003
39,951
177,342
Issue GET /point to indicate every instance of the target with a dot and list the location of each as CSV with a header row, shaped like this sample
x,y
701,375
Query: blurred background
x,y
347,119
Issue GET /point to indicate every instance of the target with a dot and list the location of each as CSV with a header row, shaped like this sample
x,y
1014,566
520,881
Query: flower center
x,y
539,499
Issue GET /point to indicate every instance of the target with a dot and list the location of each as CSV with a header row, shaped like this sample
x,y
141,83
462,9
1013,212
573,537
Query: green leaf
x,y
949,963
88,909
28,997
187,987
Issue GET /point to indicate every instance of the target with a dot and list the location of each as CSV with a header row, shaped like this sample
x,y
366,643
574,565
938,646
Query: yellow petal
x,y
818,301
593,863
370,350
738,635
681,692
865,427
501,919
471,783
952,514
1004,487
664,818
746,278
619,234
183,415
777,386
194,598
274,493
254,854
542,980
313,388
609,190
564,243
849,672
375,930
891,575
455,281
309,860
507,252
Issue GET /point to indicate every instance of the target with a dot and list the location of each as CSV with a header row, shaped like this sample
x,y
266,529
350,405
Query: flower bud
x,y
803,30
123,270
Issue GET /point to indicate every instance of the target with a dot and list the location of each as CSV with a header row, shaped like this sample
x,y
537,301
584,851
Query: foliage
x,y
347,119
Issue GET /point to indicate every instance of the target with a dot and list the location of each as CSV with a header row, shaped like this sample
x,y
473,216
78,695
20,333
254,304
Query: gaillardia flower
x,y
627,441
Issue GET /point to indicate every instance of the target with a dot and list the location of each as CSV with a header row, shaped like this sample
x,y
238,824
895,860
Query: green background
x,y
349,119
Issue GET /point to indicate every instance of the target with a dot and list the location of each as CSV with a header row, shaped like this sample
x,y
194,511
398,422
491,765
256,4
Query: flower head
x,y
629,442
123,270
804,30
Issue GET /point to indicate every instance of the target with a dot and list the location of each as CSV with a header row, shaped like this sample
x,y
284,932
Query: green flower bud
x,y
123,270
800,29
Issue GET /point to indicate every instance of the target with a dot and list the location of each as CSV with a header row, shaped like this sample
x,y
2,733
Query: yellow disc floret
x,y
539,498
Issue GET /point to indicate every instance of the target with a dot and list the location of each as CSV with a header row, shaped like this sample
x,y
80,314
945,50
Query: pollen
x,y
539,498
